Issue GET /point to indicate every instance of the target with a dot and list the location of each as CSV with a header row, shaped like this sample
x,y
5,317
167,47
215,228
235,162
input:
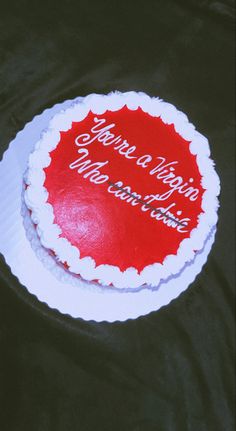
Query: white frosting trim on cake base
x,y
42,214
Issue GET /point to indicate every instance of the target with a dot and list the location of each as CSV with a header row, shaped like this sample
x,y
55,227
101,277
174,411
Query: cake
x,y
121,190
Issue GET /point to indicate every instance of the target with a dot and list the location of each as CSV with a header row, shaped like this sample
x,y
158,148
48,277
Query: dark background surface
x,y
172,370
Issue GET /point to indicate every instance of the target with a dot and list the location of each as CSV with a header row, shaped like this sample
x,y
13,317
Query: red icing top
x,y
111,223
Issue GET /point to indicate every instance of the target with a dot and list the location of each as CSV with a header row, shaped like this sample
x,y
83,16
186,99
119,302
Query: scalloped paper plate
x,y
27,259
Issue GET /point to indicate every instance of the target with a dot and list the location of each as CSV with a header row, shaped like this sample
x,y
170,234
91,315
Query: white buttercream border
x,y
42,212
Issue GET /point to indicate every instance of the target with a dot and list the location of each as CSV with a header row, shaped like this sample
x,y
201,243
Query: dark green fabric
x,y
172,370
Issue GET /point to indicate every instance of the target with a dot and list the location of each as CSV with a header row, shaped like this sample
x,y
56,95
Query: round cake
x,y
122,190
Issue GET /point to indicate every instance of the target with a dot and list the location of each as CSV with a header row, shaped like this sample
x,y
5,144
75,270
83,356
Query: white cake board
x,y
79,299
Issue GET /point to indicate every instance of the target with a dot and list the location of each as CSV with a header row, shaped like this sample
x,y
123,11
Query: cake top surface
x,y
122,189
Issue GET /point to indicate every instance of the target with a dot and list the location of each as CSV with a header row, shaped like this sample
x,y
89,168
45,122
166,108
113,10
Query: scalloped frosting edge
x,y
42,214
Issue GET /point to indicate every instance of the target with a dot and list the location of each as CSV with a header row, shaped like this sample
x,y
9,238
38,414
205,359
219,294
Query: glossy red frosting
x,y
109,229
